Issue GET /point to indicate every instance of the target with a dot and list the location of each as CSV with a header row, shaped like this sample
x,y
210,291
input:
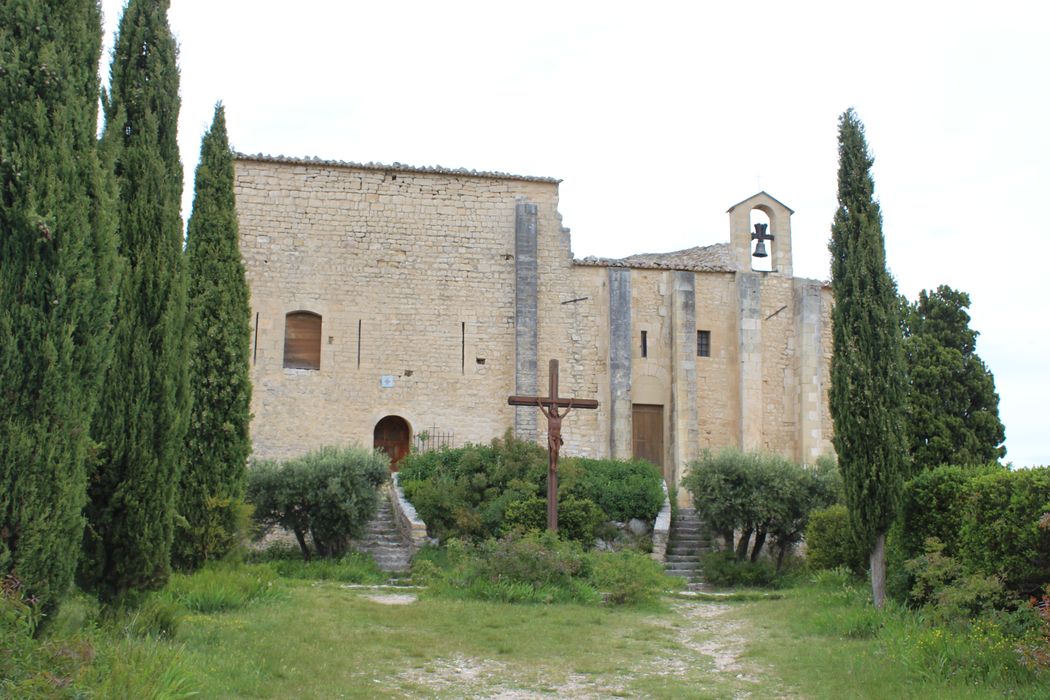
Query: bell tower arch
x,y
776,239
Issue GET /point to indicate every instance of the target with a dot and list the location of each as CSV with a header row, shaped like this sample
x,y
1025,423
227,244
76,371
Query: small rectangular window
x,y
703,343
645,344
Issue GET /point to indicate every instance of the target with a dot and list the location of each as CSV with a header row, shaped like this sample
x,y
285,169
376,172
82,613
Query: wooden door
x,y
391,435
647,430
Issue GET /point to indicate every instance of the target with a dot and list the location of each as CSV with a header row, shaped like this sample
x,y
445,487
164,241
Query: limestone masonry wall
x,y
413,275
424,282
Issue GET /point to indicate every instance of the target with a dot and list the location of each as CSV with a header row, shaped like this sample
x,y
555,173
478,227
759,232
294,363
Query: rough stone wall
x,y
414,275
572,329
780,380
717,376
650,312
827,300
423,264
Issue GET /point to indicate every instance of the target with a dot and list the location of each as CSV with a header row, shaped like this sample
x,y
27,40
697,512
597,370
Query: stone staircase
x,y
689,539
384,542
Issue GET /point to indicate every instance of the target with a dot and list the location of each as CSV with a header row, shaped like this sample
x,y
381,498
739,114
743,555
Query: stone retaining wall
x,y
409,524
662,528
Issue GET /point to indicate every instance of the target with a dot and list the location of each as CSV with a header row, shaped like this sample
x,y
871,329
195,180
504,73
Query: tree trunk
x,y
301,538
878,571
760,541
780,556
741,547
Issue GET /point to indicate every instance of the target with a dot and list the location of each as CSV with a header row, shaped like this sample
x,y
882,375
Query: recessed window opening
x,y
703,343
302,340
761,264
645,344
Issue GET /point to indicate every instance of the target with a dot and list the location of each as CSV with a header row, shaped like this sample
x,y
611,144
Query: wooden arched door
x,y
392,436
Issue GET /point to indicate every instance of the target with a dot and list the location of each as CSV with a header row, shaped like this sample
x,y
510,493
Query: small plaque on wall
x,y
386,381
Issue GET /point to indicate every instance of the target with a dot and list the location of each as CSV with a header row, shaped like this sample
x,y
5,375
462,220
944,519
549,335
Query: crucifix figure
x,y
549,406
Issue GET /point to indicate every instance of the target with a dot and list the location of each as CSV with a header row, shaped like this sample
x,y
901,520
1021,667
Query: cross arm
x,y
547,401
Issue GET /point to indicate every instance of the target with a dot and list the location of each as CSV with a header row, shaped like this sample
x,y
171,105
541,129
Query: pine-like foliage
x,y
953,410
868,380
217,445
57,270
142,419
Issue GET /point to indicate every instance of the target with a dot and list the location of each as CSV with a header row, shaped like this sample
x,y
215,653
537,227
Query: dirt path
x,y
700,644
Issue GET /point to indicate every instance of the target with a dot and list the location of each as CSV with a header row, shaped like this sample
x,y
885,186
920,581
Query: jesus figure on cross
x,y
554,441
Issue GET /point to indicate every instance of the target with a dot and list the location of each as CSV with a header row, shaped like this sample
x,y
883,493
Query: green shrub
x,y
1001,534
724,569
578,518
539,568
760,494
987,518
830,543
630,578
483,491
934,504
946,593
536,559
221,587
329,495
622,489
464,492
222,531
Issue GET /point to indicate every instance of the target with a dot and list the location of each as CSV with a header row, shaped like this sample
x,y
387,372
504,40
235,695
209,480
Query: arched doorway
x,y
392,436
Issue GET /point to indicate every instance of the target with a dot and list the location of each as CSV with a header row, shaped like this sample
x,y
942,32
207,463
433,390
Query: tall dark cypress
x,y
217,444
57,270
868,379
142,420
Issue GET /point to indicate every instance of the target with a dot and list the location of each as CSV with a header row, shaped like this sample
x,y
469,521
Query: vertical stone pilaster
x,y
620,438
685,428
526,332
810,369
749,285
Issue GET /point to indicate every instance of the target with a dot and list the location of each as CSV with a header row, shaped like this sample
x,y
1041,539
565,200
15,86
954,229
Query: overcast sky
x,y
660,116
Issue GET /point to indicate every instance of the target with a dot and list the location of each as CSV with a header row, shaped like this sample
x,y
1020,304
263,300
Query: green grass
x,y
245,632
326,641
826,641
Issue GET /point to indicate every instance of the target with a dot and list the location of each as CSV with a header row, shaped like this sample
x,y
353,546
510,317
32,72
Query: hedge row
x,y
994,521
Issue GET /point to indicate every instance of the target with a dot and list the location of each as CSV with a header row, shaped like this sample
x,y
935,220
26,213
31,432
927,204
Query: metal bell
x,y
760,249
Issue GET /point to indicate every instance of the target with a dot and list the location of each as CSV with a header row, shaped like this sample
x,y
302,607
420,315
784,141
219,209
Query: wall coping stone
x,y
399,167
411,526
662,528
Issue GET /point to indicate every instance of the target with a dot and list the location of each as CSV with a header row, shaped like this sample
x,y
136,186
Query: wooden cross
x,y
549,406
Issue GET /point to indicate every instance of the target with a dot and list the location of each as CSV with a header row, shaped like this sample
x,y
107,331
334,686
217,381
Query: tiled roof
x,y
710,258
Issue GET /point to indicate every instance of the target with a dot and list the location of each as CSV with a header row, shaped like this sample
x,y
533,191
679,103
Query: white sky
x,y
660,116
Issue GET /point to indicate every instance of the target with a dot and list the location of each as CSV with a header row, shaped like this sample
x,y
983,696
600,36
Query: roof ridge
x,y
400,167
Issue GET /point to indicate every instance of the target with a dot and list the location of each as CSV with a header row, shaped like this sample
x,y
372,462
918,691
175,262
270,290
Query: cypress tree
x,y
953,409
217,444
868,379
142,419
57,270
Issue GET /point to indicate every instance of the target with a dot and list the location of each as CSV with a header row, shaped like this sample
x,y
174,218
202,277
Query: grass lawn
x,y
248,632
327,641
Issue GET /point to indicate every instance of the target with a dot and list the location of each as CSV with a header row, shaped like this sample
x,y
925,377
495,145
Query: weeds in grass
x,y
540,568
221,587
351,568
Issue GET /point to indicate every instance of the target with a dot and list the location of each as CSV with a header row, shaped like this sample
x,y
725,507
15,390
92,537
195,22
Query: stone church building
x,y
394,306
